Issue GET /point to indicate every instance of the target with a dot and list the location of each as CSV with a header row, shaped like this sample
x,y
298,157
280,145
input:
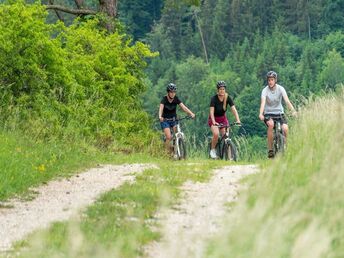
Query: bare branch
x,y
59,16
79,3
71,11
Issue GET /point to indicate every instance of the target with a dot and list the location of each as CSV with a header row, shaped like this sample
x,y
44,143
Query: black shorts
x,y
281,118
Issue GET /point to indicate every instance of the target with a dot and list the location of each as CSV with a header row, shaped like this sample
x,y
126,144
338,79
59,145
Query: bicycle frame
x,y
178,139
226,148
278,136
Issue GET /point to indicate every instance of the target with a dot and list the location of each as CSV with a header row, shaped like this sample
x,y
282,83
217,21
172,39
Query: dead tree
x,y
107,7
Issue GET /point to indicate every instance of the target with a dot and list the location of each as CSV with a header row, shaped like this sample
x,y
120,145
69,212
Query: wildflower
x,y
41,168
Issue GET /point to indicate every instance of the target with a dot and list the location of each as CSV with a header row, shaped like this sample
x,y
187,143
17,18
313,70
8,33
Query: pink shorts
x,y
219,119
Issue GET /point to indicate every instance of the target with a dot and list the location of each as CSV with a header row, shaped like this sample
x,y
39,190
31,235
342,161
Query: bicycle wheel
x,y
220,148
181,150
230,151
280,143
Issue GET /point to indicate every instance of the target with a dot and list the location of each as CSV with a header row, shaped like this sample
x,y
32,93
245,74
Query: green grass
x,y
25,163
294,208
118,224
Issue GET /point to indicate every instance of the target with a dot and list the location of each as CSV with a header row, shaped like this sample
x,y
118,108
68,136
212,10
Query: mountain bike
x,y
178,139
278,136
225,147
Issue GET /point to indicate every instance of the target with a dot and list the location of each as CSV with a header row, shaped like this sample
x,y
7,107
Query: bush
x,y
69,82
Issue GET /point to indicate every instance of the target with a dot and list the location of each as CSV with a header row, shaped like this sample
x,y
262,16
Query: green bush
x,y
67,82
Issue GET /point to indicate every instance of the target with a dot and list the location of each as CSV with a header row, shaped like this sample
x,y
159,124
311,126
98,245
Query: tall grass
x,y
249,148
295,206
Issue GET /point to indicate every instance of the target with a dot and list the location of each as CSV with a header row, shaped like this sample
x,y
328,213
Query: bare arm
x,y
212,117
186,110
289,105
161,108
261,109
235,113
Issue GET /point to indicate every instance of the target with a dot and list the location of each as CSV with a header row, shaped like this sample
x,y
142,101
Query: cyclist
x,y
167,112
217,114
271,107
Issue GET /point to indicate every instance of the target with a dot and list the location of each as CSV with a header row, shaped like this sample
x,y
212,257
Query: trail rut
x,y
187,226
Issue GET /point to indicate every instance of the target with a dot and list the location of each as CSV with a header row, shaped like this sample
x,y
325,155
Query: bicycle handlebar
x,y
229,125
177,119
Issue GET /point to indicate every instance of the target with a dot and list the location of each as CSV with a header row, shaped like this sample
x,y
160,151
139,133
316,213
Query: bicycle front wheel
x,y
280,143
181,150
230,151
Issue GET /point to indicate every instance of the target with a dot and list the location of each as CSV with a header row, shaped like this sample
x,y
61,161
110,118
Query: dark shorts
x,y
168,124
275,117
218,119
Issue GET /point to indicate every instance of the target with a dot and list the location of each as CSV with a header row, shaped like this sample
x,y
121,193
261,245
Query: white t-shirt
x,y
273,104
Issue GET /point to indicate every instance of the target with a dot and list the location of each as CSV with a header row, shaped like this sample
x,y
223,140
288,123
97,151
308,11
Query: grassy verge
x,y
119,223
294,207
25,163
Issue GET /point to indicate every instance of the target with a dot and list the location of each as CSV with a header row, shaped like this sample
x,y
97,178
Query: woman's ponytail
x,y
225,101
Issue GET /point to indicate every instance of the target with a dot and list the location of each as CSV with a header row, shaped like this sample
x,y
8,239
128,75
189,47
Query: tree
x,y
333,73
139,16
108,8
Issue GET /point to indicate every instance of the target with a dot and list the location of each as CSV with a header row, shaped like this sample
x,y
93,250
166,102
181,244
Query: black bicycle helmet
x,y
271,74
171,87
221,84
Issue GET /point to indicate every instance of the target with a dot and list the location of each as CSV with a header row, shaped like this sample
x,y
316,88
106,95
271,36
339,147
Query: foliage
x,y
139,16
89,83
332,75
70,81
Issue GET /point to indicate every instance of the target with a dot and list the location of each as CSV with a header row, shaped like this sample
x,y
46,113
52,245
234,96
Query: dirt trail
x,y
186,227
59,200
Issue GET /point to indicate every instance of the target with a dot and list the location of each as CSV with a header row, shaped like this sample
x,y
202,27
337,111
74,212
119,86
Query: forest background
x,y
72,79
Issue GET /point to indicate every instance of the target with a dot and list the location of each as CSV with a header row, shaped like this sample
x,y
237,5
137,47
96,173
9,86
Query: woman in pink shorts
x,y
217,115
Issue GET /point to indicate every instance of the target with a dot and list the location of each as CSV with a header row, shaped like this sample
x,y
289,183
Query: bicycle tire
x,y
230,151
219,148
281,143
181,150
278,143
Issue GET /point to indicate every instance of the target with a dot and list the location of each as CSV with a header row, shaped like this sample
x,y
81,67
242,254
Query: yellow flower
x,y
41,168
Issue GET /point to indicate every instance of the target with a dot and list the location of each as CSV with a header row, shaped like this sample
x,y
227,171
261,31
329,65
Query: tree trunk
x,y
109,7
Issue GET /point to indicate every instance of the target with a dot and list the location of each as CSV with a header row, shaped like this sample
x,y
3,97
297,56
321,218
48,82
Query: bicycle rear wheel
x,y
230,151
181,150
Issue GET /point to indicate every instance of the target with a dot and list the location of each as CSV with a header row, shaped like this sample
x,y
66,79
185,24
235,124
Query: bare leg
x,y
215,131
168,136
270,133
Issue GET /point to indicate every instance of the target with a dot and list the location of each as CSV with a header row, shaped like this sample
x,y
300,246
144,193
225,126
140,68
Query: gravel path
x,y
187,226
60,200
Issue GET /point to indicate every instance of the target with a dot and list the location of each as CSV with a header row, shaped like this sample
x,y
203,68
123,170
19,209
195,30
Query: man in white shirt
x,y
271,108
